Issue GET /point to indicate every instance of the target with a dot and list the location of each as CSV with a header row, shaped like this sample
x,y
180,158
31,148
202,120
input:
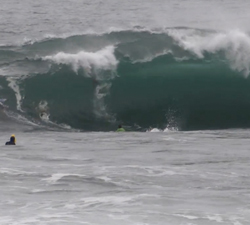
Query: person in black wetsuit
x,y
12,141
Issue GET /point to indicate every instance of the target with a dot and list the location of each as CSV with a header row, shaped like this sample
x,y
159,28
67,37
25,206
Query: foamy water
x,y
126,178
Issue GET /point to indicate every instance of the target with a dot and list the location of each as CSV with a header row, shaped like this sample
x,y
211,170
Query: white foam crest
x,y
115,200
90,31
14,86
57,176
235,44
103,59
154,130
167,129
15,172
152,171
190,217
216,218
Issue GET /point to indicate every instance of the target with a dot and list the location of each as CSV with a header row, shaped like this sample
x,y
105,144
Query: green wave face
x,y
182,78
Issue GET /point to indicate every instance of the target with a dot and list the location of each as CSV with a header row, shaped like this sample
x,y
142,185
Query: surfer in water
x,y
120,128
12,140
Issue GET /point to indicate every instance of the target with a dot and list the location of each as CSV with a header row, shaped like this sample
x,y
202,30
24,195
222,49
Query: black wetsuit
x,y
10,143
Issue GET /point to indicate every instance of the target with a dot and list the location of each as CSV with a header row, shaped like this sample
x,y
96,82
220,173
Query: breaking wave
x,y
179,78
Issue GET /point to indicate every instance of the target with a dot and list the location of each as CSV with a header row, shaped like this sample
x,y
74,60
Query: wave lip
x,y
235,45
89,61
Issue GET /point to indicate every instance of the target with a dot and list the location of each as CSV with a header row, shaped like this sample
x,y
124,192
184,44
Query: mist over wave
x,y
176,78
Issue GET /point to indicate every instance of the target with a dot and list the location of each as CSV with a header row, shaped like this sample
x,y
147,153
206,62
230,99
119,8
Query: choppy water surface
x,y
126,178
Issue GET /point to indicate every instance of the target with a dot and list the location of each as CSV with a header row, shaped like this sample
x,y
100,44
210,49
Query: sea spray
x,y
91,62
235,45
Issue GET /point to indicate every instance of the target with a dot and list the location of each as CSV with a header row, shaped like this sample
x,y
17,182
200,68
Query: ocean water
x,y
183,178
174,73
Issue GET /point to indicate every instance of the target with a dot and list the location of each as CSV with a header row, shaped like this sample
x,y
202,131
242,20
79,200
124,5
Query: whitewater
x,y
175,74
134,178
